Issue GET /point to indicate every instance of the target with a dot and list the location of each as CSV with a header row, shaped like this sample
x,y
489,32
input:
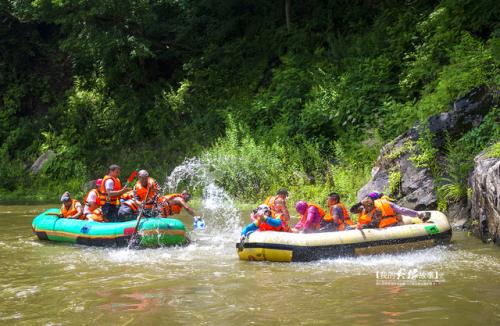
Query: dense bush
x,y
306,107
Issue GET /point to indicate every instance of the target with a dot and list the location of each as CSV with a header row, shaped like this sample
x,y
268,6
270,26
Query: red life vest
x,y
275,213
128,195
364,218
71,210
264,226
113,200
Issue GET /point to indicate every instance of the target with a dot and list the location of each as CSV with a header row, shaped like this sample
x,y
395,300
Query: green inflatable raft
x,y
153,232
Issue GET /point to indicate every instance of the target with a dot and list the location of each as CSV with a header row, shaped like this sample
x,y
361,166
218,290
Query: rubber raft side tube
x,y
304,253
159,231
277,246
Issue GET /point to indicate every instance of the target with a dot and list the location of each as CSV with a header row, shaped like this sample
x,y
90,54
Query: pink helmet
x,y
301,206
98,183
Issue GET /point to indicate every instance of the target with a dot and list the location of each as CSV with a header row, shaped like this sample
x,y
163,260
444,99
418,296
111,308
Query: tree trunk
x,y
287,14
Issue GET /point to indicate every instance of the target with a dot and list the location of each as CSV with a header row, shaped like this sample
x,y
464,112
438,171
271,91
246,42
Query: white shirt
x,y
109,185
92,197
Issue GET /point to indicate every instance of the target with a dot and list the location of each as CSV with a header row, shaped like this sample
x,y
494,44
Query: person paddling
x,y
141,194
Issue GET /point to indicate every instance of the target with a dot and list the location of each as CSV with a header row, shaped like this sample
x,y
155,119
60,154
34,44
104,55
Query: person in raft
x,y
277,204
338,219
129,209
70,208
262,221
311,217
146,191
92,204
381,212
94,213
174,203
111,188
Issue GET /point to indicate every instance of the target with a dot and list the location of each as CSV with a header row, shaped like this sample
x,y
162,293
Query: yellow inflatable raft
x,y
287,247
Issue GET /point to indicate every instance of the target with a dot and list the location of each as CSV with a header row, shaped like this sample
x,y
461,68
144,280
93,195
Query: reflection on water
x,y
205,283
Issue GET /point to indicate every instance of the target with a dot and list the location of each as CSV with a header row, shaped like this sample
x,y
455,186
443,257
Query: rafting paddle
x,y
132,237
132,176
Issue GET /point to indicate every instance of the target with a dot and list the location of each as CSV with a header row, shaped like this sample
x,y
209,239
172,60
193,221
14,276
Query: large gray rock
x,y
485,201
464,114
416,187
458,214
40,161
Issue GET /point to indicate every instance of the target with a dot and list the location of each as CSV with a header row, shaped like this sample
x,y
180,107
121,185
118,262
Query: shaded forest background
x,y
301,94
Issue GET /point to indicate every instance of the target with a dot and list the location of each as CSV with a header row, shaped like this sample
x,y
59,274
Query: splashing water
x,y
192,172
217,207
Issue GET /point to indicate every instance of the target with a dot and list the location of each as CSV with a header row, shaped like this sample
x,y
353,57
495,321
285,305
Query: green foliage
x,y
149,83
493,151
460,155
425,153
407,147
394,182
471,65
450,192
248,169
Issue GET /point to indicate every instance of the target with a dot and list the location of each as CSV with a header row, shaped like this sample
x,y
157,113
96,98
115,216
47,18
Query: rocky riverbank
x,y
410,168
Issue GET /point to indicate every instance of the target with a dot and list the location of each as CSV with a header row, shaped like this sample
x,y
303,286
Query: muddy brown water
x,y
44,283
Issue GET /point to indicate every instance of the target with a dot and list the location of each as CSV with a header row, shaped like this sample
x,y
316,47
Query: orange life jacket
x,y
364,218
71,210
141,191
97,197
389,217
303,219
132,203
128,195
113,200
166,208
344,219
97,215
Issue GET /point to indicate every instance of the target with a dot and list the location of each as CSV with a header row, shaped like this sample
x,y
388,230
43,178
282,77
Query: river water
x,y
43,283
